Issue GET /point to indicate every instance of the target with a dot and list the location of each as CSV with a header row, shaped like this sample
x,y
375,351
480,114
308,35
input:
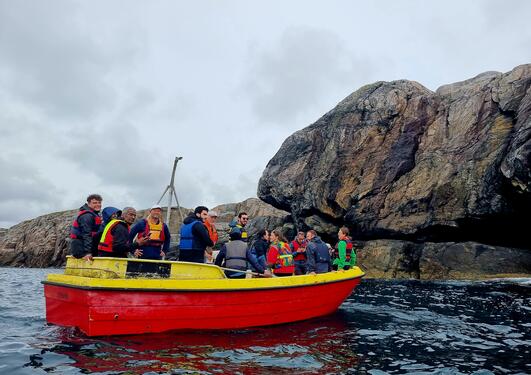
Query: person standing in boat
x,y
194,237
344,253
317,253
298,248
279,256
235,254
85,227
210,224
239,225
115,238
260,246
156,232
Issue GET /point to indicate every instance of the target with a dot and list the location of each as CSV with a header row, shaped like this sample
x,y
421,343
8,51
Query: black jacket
x,y
87,244
260,247
120,241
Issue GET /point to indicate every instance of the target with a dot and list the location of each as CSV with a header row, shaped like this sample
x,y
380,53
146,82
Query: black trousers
x,y
194,255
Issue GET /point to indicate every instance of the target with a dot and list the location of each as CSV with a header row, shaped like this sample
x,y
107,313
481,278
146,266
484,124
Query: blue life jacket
x,y
187,238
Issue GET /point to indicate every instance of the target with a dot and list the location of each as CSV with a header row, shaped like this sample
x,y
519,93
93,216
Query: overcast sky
x,y
100,96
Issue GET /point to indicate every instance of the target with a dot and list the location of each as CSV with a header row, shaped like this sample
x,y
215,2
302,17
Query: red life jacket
x,y
284,262
75,230
348,250
153,242
107,236
295,245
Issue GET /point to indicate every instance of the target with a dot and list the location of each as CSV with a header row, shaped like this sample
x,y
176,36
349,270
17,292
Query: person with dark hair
x,y
344,254
239,225
260,246
317,254
194,237
279,256
115,238
157,233
85,228
235,254
298,248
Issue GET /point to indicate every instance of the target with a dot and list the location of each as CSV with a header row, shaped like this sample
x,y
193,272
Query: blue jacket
x,y
150,252
194,235
318,256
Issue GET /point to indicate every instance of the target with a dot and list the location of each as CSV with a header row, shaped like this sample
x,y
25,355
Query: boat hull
x,y
99,312
116,306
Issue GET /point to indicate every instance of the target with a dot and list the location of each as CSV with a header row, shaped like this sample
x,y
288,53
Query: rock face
x,y
43,241
397,161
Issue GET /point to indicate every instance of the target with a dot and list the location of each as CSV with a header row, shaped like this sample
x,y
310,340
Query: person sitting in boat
x,y
238,225
115,241
235,254
298,248
156,232
194,237
317,253
85,228
210,224
279,256
344,254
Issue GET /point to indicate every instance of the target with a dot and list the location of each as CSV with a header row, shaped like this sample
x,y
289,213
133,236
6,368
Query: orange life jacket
x,y
155,241
107,236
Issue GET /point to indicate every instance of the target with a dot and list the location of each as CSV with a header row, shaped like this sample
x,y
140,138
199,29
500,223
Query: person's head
x,y
310,234
94,202
243,218
276,235
263,234
236,235
155,212
129,215
110,213
212,216
300,236
201,212
343,233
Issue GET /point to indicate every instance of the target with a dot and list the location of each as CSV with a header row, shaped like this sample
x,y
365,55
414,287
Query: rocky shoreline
x,y
433,185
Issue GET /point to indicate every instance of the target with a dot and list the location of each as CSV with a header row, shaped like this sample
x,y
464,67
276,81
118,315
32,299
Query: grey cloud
x,y
50,59
25,191
306,66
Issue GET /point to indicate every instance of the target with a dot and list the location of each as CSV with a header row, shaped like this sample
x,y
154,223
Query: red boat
x,y
115,296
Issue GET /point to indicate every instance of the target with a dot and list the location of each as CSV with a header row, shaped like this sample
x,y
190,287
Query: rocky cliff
x,y
43,241
395,161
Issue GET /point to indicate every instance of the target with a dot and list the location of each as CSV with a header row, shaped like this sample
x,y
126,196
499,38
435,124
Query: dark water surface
x,y
393,327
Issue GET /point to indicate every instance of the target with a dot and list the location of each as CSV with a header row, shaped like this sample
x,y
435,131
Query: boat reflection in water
x,y
318,345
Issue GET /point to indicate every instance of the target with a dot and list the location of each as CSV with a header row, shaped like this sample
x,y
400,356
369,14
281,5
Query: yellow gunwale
x,y
189,284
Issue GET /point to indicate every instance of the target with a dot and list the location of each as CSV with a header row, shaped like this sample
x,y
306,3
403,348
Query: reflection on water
x,y
318,345
385,327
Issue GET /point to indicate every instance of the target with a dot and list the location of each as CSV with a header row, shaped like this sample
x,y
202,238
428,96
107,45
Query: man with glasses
x,y
239,226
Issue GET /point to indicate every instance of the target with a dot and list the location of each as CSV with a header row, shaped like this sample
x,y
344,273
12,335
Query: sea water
x,y
384,327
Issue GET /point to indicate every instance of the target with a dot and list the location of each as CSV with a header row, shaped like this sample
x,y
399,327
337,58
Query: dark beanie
x,y
235,235
200,209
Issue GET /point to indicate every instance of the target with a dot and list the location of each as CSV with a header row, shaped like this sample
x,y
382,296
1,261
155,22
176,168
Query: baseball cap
x,y
155,207
212,213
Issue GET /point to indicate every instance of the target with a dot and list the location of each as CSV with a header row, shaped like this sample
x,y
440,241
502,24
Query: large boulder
x,y
395,160
446,260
